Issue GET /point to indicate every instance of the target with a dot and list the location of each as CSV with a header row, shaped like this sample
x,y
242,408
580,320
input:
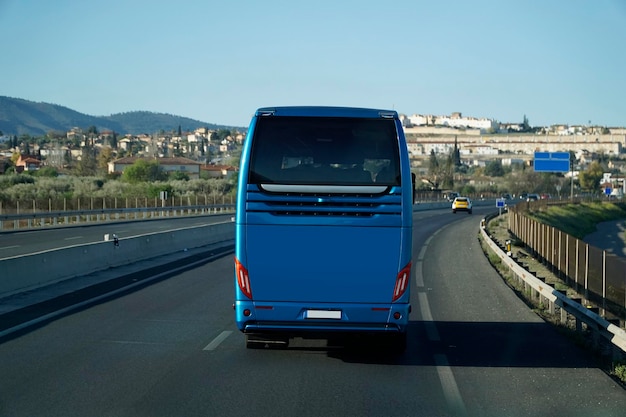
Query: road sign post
x,y
500,205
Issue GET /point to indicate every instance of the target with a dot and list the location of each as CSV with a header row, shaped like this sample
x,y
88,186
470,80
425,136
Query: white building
x,y
455,120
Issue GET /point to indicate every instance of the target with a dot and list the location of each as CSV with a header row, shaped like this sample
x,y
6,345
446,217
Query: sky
x,y
553,61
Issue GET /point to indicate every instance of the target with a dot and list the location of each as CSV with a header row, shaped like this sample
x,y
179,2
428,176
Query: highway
x,y
172,349
30,241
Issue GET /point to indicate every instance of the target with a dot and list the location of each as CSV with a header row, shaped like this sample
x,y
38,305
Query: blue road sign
x,y
551,162
500,202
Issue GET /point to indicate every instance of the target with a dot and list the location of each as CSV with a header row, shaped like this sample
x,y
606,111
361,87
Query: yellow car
x,y
462,204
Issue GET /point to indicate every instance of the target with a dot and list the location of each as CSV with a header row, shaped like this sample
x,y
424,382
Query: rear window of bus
x,y
324,150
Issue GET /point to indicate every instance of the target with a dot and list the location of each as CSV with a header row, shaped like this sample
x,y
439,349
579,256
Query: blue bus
x,y
323,229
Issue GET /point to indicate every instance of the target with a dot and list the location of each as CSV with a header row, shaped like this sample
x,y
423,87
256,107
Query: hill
x,y
20,117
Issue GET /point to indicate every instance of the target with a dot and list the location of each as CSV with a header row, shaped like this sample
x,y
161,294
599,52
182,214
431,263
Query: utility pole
x,y
571,172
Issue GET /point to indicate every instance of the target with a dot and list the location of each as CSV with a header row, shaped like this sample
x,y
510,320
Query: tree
x,y
590,178
113,141
447,174
92,133
104,157
433,169
494,168
46,172
87,166
525,125
456,154
144,171
179,176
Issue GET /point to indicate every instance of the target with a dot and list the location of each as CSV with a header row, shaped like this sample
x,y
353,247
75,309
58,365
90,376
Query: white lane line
x,y
444,371
456,406
10,247
73,238
218,340
431,328
133,342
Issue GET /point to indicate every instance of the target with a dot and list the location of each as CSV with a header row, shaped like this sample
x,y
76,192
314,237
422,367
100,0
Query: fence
x,y
600,327
104,203
38,219
599,276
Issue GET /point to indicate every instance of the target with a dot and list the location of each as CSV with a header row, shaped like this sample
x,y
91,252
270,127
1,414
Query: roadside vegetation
x,y
579,220
143,181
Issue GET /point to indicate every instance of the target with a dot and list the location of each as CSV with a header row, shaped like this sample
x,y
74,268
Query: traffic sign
x,y
500,202
551,162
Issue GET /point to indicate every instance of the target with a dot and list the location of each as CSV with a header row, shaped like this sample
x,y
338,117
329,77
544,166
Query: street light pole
x,y
571,173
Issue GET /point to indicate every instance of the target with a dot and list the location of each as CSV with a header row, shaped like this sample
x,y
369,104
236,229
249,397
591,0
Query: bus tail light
x,y
402,282
243,279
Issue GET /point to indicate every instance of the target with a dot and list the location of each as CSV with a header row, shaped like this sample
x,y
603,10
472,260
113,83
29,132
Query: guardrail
x,y
16,273
63,218
36,270
544,292
42,219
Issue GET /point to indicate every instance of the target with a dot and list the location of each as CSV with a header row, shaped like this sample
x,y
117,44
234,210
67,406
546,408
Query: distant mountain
x,y
18,117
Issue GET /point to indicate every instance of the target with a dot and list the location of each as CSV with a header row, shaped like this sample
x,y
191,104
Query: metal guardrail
x,y
56,218
594,322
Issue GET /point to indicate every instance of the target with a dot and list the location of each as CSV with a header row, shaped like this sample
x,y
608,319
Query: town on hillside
x,y
478,142
202,152
483,143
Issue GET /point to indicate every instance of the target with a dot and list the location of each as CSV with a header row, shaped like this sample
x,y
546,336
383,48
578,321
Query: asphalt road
x,y
31,241
609,236
172,349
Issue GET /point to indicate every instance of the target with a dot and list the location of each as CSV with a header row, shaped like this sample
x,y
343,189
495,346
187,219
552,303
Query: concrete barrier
x,y
23,273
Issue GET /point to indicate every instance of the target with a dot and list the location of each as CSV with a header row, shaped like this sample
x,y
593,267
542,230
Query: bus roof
x,y
326,111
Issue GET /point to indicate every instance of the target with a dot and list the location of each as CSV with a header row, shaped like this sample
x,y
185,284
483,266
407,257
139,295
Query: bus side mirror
x,y
413,183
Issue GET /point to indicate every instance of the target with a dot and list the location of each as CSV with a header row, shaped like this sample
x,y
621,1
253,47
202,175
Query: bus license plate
x,y
323,314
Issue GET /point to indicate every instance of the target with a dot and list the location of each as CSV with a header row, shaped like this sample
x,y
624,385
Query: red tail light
x,y
243,279
402,282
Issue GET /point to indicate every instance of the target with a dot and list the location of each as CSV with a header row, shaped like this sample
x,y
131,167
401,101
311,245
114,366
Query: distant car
x,y
452,195
532,197
506,196
523,196
462,204
545,196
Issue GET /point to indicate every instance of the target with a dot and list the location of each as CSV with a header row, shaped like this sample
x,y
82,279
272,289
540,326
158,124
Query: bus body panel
x,y
323,247
300,263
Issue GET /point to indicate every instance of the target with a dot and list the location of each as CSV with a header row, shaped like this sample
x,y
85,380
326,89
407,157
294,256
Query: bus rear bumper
x,y
299,319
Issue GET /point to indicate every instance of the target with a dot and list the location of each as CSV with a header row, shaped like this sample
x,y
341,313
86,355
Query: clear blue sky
x,y
555,61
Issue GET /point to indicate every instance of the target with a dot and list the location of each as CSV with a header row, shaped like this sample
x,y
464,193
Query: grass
x,y
579,220
619,370
561,216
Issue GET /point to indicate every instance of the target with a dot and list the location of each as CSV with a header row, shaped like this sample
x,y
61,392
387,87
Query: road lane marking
x,y
427,317
73,238
218,340
451,392
9,247
431,328
133,342
450,388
